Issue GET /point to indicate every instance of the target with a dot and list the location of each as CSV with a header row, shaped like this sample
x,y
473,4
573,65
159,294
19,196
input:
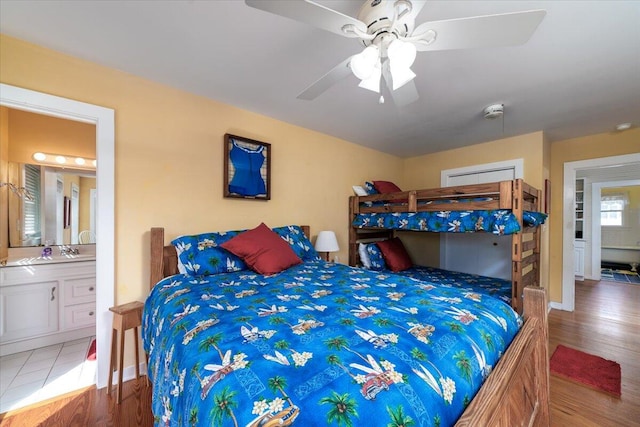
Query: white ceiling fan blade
x,y
416,6
310,13
508,29
338,73
404,95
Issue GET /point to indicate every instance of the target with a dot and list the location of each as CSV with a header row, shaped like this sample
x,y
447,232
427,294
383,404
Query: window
x,y
32,207
612,209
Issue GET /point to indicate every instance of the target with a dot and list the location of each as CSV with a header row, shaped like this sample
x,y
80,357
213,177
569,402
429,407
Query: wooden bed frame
x,y
514,195
516,393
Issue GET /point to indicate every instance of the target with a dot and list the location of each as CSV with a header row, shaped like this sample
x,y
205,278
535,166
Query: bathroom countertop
x,y
55,259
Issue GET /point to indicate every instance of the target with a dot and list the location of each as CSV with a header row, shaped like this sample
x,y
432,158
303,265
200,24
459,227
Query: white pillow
x,y
359,190
364,255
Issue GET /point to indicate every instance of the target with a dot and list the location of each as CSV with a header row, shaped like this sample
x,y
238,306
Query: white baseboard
x,y
557,305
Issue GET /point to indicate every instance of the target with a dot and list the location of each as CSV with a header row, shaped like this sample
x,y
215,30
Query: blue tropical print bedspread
x,y
500,222
319,344
498,288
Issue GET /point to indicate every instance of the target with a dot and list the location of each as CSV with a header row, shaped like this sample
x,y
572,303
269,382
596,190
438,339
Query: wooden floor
x,y
606,323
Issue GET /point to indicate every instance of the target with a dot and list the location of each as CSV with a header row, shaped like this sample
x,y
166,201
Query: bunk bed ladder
x,y
517,287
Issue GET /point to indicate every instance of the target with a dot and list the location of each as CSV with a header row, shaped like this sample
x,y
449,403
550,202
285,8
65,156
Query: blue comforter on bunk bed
x,y
468,283
318,344
501,222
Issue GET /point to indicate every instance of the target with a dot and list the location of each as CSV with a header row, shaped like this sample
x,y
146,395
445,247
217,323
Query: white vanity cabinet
x,y
45,304
28,310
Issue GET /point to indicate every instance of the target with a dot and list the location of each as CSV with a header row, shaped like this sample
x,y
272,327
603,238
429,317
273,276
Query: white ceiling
x,y
578,75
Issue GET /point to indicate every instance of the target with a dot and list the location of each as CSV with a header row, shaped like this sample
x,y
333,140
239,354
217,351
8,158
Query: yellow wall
x,y
424,171
31,133
571,150
168,157
86,185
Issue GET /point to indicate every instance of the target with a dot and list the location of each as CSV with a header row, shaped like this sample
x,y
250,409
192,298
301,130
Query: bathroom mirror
x,y
62,211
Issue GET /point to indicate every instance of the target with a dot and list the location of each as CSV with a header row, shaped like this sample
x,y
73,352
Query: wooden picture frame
x,y
247,168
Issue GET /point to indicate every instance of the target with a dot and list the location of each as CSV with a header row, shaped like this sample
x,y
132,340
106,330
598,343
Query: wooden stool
x,y
126,316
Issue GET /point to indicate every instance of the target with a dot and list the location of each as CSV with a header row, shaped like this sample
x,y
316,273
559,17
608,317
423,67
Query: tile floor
x,y
36,375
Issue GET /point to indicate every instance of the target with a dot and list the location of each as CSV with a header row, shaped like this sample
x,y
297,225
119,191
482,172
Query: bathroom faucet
x,y
68,250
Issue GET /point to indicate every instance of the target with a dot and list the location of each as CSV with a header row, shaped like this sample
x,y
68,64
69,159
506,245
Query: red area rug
x,y
91,354
586,369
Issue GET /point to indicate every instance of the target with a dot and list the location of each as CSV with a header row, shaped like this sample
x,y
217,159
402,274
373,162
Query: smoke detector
x,y
493,111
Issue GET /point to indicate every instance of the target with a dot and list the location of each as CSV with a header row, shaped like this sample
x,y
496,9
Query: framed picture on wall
x,y
247,168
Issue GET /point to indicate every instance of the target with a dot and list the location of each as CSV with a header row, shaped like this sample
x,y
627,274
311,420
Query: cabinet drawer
x,y
38,273
79,290
79,316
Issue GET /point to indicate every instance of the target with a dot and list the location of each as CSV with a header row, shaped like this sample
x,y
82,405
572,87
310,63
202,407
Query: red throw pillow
x,y
384,187
263,250
395,255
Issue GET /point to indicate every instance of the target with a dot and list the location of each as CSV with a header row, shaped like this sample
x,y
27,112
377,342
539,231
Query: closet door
x,y
478,253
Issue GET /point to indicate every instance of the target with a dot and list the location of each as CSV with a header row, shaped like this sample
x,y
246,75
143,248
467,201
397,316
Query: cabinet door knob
x,y
53,296
91,313
91,289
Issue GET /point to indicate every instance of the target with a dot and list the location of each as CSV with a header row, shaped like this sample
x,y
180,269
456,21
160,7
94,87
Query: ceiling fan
x,y
387,30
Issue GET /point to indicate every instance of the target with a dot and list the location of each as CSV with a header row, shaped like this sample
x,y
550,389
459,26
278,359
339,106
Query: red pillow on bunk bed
x,y
395,255
385,187
263,250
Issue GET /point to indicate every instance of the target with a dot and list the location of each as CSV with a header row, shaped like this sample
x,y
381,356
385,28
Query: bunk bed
x,y
210,364
504,208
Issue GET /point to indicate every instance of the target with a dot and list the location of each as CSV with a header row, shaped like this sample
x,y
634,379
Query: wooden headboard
x,y
164,259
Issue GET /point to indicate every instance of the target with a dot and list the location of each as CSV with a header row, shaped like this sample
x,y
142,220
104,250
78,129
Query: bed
x,y
355,347
468,283
509,208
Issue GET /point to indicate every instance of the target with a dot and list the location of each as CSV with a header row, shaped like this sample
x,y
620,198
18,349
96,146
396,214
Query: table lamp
x,y
327,242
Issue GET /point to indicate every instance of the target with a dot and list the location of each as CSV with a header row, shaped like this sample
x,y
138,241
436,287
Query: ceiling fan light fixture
x,y
364,63
400,76
401,53
372,83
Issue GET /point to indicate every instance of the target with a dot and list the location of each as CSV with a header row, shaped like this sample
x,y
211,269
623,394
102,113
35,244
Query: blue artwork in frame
x,y
247,168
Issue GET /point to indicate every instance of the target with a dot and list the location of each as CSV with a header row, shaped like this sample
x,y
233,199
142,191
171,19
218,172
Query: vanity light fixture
x,y
64,161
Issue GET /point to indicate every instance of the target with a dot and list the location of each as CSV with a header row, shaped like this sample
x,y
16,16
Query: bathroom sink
x,y
54,259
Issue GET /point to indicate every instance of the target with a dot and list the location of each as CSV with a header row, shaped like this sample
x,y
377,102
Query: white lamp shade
x,y
373,82
401,76
363,64
401,53
327,242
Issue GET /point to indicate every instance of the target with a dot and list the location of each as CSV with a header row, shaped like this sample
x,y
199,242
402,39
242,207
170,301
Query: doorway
x,y
103,119
568,231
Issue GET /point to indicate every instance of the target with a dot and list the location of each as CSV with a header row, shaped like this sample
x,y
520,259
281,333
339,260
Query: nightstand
x,y
125,316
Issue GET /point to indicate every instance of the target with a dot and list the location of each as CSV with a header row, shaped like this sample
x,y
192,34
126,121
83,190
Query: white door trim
x,y
596,230
568,232
103,119
516,164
